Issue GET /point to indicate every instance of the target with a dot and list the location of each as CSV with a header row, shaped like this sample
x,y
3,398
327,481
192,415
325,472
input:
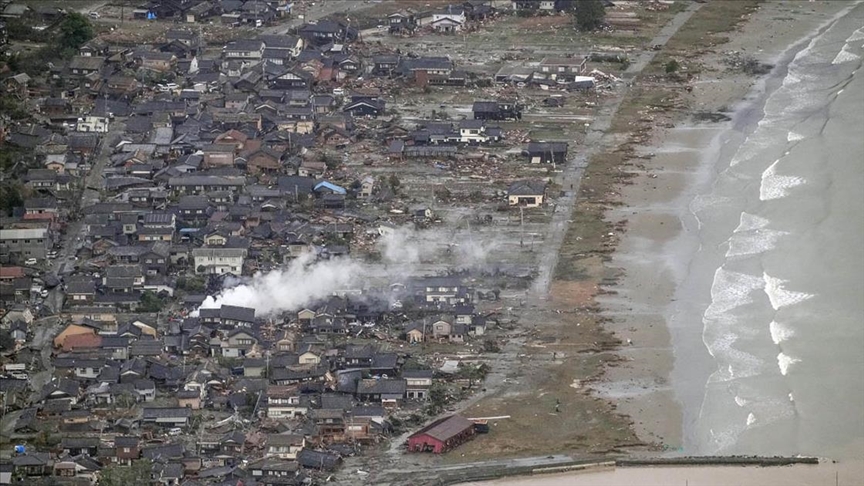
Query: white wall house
x,y
97,124
218,260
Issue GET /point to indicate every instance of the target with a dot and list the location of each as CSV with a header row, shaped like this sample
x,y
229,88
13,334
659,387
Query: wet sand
x,y
845,474
680,160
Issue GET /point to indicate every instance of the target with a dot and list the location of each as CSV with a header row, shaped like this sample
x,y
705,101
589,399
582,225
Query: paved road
x,y
93,184
43,341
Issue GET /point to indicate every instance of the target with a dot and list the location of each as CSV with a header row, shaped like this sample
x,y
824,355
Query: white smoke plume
x,y
290,287
408,248
305,280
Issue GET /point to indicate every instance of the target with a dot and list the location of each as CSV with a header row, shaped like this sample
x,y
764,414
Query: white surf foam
x,y
845,56
702,202
790,79
753,242
794,137
730,290
724,439
784,361
740,363
856,36
777,186
779,333
749,222
779,296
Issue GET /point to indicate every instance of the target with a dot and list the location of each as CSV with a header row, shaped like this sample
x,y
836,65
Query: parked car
x,y
30,262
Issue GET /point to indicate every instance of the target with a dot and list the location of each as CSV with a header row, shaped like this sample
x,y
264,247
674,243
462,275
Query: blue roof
x,y
331,186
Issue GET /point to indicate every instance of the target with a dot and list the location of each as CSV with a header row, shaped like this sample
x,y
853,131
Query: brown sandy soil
x,y
572,294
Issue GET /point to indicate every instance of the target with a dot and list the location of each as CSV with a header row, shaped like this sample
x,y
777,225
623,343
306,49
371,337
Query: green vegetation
x,y
138,474
191,283
18,30
6,341
672,66
75,31
590,14
11,196
11,107
151,302
437,398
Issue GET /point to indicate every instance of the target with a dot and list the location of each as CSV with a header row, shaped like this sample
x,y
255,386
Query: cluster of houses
x,y
217,166
227,395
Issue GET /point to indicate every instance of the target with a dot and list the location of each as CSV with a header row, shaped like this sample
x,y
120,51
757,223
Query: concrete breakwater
x,y
489,473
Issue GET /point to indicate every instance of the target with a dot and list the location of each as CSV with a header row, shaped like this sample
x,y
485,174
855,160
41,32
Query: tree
x,y
150,302
191,283
672,66
6,341
437,398
394,182
75,31
590,14
138,474
10,197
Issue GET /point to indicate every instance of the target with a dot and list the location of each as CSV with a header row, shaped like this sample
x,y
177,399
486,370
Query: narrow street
x,y
93,184
43,341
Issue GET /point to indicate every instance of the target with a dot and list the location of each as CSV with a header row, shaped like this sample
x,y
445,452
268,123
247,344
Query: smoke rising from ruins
x,y
306,280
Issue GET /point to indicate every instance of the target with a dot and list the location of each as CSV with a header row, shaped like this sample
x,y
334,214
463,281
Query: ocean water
x,y
781,239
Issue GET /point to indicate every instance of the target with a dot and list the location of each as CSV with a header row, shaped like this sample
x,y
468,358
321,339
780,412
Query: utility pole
x,y
521,225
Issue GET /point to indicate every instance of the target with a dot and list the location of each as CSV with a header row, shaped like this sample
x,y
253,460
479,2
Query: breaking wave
x,y
776,186
779,296
779,332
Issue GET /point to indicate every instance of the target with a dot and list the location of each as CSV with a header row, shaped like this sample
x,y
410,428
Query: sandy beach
x,y
845,474
679,160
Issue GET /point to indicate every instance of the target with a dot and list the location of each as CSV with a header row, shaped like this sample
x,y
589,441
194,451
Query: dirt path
x,y
596,141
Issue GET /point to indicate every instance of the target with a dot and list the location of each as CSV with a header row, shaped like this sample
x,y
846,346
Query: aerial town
x,y
279,242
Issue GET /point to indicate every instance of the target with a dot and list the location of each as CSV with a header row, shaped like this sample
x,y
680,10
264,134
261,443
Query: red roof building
x,y
82,341
11,273
442,435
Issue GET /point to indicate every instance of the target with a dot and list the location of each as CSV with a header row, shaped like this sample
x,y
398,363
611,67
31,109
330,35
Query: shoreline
x,y
696,286
649,309
841,474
